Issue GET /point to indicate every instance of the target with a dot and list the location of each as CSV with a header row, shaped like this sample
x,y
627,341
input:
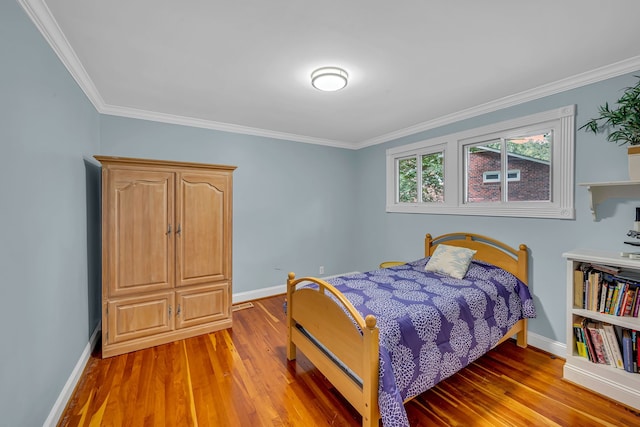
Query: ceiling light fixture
x,y
329,79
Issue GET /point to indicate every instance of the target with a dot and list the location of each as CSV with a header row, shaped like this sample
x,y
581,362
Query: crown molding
x,y
583,79
41,16
209,124
39,13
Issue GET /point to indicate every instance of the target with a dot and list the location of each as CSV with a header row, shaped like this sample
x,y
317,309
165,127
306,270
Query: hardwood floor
x,y
240,377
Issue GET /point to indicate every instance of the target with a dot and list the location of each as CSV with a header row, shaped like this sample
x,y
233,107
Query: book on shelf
x,y
598,344
581,345
614,298
615,292
605,268
610,288
578,288
629,275
580,327
621,298
627,301
627,350
610,334
595,289
607,344
635,358
602,299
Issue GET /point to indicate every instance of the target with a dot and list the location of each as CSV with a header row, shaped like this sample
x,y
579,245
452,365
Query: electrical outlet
x,y
322,269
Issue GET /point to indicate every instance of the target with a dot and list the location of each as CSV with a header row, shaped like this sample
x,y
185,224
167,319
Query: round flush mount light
x,y
329,79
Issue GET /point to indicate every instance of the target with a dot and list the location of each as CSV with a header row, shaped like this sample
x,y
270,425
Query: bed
x,y
387,335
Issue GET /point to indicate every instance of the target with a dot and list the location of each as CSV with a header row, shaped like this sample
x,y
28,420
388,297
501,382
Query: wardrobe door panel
x,y
204,243
202,305
137,317
140,231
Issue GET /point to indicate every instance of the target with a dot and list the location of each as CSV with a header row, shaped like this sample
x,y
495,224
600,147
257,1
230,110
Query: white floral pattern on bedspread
x,y
432,325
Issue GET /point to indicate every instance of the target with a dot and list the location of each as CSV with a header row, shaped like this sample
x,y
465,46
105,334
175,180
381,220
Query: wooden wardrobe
x,y
166,251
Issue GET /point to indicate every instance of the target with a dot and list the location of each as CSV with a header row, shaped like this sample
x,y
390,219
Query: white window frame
x,y
561,121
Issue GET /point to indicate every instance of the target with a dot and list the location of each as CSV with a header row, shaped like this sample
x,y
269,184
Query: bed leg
x,y
521,338
291,347
291,350
371,414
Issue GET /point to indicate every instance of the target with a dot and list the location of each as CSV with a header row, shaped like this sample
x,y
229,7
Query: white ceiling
x,y
244,65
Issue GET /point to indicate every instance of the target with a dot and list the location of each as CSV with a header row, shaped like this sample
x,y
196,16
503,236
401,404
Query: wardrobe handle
x,y
169,229
178,230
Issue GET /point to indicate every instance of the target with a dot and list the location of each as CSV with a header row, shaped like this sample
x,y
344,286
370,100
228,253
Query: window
x,y
494,176
521,167
426,169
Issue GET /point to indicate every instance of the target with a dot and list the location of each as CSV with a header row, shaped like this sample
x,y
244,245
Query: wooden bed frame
x,y
346,354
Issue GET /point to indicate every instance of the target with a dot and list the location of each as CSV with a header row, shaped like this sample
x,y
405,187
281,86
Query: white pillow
x,y
450,260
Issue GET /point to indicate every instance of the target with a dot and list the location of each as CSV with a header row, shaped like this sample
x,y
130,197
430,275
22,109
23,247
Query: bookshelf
x,y
607,380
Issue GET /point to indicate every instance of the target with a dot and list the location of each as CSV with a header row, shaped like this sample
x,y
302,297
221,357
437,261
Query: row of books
x,y
607,344
605,292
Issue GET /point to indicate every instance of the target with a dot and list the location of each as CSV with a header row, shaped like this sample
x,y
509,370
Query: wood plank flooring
x,y
240,377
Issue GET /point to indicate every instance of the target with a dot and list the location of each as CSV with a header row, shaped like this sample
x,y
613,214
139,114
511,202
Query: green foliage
x,y
408,184
534,146
432,179
624,120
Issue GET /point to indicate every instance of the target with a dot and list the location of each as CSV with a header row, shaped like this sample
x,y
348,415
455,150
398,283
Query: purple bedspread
x,y
432,325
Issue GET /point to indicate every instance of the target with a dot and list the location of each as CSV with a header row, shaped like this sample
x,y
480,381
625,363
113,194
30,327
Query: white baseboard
x,y
543,343
617,384
70,385
272,291
258,293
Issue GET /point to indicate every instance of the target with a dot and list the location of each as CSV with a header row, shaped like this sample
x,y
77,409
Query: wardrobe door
x,y
139,231
203,237
136,317
203,304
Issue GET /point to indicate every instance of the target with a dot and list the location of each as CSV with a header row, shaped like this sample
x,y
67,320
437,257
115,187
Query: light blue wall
x,y
48,254
384,235
293,203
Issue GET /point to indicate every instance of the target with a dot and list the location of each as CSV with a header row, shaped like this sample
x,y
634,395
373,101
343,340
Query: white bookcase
x,y
607,380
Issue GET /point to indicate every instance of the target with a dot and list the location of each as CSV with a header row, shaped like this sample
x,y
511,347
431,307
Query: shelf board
x,y
624,321
602,257
601,191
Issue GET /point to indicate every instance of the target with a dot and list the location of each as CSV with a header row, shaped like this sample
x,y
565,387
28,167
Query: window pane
x,y
433,177
408,180
483,163
531,156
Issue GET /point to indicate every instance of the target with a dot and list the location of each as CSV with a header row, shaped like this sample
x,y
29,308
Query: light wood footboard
x,y
337,340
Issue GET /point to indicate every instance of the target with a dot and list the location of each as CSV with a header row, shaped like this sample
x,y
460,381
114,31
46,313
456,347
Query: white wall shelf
x,y
601,191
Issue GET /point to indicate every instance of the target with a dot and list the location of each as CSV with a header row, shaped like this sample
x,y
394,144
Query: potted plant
x,y
623,123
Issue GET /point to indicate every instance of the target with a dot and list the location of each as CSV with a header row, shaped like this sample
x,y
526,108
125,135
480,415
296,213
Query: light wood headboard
x,y
488,250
